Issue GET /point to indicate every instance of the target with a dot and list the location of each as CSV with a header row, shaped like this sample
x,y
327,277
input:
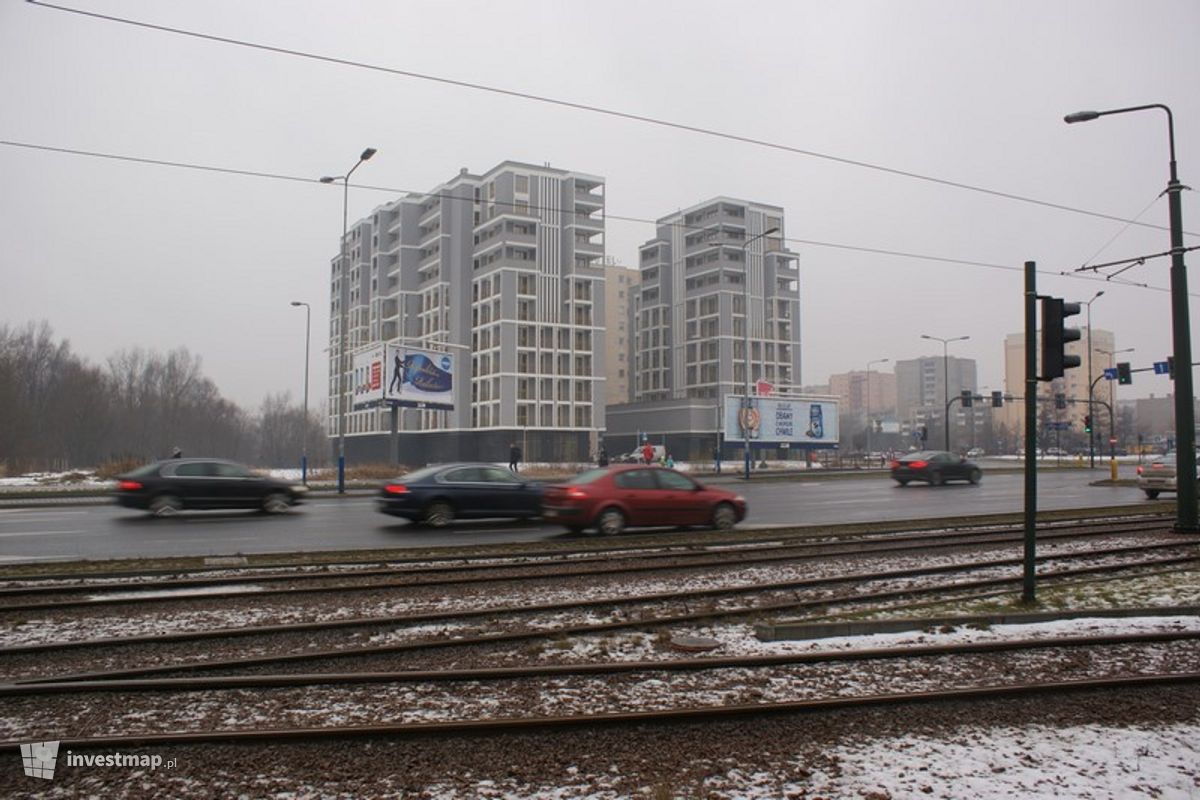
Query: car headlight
x,y
739,499
300,488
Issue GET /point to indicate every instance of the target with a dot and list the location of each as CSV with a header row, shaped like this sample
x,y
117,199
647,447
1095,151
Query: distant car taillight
x,y
396,488
1139,469
918,464
128,486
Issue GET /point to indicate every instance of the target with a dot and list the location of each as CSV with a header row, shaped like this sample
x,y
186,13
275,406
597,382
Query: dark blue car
x,y
439,495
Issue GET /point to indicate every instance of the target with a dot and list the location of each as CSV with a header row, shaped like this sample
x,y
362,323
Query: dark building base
x,y
416,449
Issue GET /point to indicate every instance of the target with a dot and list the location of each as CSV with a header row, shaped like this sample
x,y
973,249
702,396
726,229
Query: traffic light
x,y
924,432
1087,424
1060,401
997,399
1124,376
1055,337
1171,367
967,398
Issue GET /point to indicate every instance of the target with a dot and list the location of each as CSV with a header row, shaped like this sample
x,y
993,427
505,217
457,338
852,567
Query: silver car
x,y
1158,475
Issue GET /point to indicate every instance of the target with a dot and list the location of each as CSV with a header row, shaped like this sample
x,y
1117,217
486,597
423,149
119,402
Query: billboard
x,y
780,420
367,378
418,378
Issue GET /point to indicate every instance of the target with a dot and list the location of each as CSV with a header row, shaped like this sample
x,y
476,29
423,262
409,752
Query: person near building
x,y
602,457
514,457
648,453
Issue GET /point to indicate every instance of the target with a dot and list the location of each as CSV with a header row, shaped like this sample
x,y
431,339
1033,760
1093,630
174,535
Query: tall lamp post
x,y
344,296
1187,519
946,376
869,363
1091,435
307,337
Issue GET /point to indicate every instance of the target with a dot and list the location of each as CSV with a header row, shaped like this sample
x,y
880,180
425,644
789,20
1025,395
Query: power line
x,y
592,109
158,162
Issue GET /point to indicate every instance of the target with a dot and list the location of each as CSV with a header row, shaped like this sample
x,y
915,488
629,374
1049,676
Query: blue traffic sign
x,y
1110,374
1162,368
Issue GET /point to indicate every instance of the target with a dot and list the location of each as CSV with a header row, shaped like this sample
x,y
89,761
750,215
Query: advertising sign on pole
x,y
419,378
367,380
779,420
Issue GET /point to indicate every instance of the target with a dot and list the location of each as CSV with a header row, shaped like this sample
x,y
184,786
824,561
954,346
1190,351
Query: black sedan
x,y
935,467
439,495
167,487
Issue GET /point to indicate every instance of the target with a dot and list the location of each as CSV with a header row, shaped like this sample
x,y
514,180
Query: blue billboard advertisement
x,y
419,378
778,420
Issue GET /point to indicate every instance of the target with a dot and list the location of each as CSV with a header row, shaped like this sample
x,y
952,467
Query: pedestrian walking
x,y
602,457
514,457
717,459
648,453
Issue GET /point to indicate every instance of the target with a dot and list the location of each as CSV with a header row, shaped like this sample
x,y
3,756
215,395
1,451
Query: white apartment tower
x,y
504,271
691,313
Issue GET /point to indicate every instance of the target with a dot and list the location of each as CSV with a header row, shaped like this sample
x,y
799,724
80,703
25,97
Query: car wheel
x,y
975,477
724,517
1151,494
165,505
439,514
276,503
610,522
935,479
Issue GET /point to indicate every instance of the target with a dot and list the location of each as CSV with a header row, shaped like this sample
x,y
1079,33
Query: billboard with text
x,y
779,420
419,378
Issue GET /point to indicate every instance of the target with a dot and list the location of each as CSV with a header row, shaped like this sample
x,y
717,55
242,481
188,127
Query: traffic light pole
x,y
1028,591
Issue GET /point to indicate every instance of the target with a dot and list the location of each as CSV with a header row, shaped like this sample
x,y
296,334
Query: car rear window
x,y
588,477
636,479
419,474
146,471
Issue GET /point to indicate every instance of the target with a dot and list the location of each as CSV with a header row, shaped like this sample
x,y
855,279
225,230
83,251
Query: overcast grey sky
x,y
116,254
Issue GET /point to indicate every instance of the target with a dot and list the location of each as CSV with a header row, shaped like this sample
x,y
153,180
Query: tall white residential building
x,y
620,288
691,308
503,271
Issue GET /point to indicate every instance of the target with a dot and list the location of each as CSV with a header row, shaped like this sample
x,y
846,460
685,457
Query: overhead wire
x,y
588,108
159,162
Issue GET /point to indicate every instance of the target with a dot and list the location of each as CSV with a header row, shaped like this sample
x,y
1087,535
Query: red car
x,y
633,495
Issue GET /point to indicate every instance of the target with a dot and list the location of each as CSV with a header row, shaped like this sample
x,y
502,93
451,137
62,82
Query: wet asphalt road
x,y
349,523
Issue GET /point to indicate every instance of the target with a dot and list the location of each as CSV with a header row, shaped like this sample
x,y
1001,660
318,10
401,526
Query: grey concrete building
x,y
922,385
503,271
690,318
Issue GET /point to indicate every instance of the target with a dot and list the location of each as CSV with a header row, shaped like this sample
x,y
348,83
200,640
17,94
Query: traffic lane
x,y
105,532
876,499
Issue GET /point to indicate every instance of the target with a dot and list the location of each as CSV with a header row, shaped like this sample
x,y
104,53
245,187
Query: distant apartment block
x,y
1074,383
503,271
861,391
620,286
691,311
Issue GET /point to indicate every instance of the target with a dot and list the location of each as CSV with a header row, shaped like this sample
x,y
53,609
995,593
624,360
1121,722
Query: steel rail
x,y
429,616
693,559
587,629
230,682
678,715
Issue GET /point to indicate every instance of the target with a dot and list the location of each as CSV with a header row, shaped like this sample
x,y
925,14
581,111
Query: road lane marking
x,y
39,533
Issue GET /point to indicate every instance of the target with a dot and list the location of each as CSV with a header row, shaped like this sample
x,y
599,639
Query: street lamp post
x,y
1091,383
1187,520
344,296
946,376
869,363
307,337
